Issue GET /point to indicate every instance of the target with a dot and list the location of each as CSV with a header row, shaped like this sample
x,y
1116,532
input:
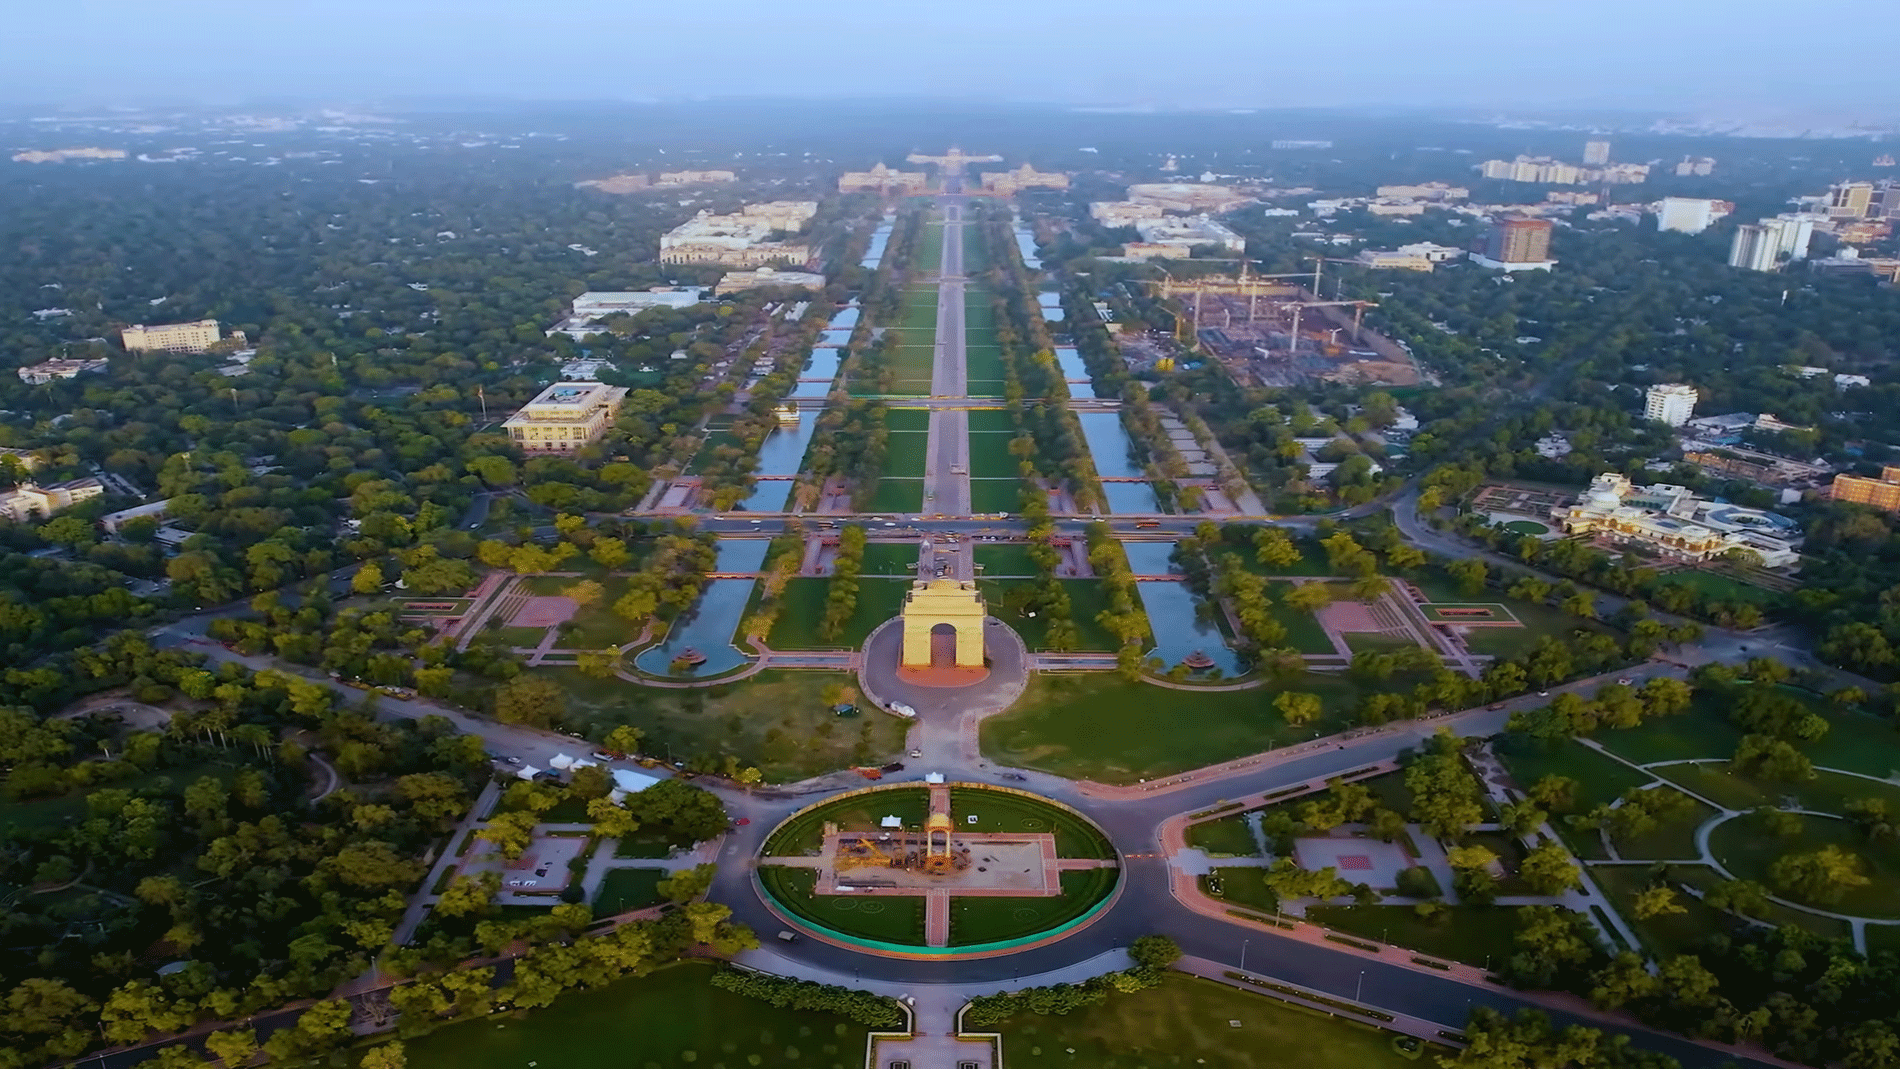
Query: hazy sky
x,y
1670,55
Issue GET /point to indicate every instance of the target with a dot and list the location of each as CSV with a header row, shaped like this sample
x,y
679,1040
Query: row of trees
x,y
841,595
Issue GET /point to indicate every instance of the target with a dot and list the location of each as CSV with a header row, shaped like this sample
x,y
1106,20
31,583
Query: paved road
x,y
947,455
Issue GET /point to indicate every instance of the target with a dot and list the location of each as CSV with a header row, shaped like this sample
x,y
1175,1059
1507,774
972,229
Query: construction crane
x,y
1358,317
1248,285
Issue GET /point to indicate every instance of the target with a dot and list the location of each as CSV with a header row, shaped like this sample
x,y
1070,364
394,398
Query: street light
x,y
1243,954
1360,987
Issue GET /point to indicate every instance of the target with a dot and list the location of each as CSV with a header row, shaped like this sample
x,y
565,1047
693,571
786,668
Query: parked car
x,y
903,710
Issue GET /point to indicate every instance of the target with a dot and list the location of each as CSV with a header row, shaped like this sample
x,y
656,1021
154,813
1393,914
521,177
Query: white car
x,y
903,710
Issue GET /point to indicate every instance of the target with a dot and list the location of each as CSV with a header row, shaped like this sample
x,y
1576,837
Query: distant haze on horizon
x,y
1709,57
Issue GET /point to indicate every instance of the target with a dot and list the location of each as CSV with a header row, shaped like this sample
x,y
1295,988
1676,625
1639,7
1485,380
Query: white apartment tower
x,y
1756,247
1596,153
1673,404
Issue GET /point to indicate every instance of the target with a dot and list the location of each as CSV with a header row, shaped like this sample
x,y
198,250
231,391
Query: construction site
x,y
1272,330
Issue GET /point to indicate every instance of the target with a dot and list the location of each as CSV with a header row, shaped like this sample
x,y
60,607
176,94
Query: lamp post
x,y
1360,986
1243,954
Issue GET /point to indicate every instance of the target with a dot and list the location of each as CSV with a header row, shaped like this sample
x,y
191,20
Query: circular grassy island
x,y
865,869
1751,845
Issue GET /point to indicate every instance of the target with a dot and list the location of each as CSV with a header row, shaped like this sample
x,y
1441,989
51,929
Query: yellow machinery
x,y
872,857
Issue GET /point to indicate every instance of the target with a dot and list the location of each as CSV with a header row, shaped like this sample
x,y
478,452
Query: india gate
x,y
943,625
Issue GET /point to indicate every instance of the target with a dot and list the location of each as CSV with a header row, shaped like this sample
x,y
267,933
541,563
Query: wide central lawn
x,y
995,495
1747,848
1187,1022
1228,835
777,720
1099,727
1086,601
997,811
670,1018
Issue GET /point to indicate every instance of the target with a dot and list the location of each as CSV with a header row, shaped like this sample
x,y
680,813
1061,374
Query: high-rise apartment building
x,y
171,337
1850,200
1596,152
1517,245
1756,247
1882,493
1673,404
1766,245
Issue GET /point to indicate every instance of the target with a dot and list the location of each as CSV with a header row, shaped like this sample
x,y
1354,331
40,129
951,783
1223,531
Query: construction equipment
x,y
870,772
870,857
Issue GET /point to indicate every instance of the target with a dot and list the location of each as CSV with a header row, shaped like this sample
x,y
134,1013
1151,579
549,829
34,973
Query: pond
x,y
1173,612
1069,359
1051,305
709,626
1108,444
1026,245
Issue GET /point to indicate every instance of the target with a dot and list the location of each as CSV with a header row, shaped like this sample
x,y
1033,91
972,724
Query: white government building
x,y
1672,522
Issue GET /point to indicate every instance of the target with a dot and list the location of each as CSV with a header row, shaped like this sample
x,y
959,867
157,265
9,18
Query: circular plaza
x,y
938,870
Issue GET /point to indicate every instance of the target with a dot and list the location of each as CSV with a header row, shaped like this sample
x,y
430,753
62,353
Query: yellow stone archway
x,y
943,601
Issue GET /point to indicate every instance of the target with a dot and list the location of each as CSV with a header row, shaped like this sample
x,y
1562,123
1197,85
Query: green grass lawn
x,y
1086,602
1244,886
1303,632
776,720
983,355
904,458
890,558
898,495
1676,933
990,457
999,560
996,495
1777,915
1475,935
1227,835
1747,848
1600,780
891,919
1725,588
907,420
1376,642
997,811
1187,1022
804,832
1700,732
803,609
992,420
672,1017
1099,727
992,920
1673,840
646,842
625,889
914,338
1856,742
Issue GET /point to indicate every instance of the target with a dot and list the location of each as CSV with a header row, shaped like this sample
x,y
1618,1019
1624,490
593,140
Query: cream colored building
x,y
743,239
565,416
735,281
1421,256
1882,493
28,501
1673,523
1122,213
694,178
1008,183
1395,207
42,373
882,179
172,337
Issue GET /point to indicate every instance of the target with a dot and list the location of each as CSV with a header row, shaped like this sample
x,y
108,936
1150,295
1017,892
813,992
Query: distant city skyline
x,y
1704,57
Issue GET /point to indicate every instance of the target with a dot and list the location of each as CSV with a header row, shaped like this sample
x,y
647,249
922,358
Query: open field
x,y
1001,560
990,459
984,357
1724,588
898,495
776,720
890,558
1097,726
996,495
672,1017
1303,631
1227,835
1187,1022
625,889
803,832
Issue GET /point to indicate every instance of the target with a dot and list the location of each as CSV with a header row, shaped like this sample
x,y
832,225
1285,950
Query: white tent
x,y
562,761
527,772
582,762
891,822
632,782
